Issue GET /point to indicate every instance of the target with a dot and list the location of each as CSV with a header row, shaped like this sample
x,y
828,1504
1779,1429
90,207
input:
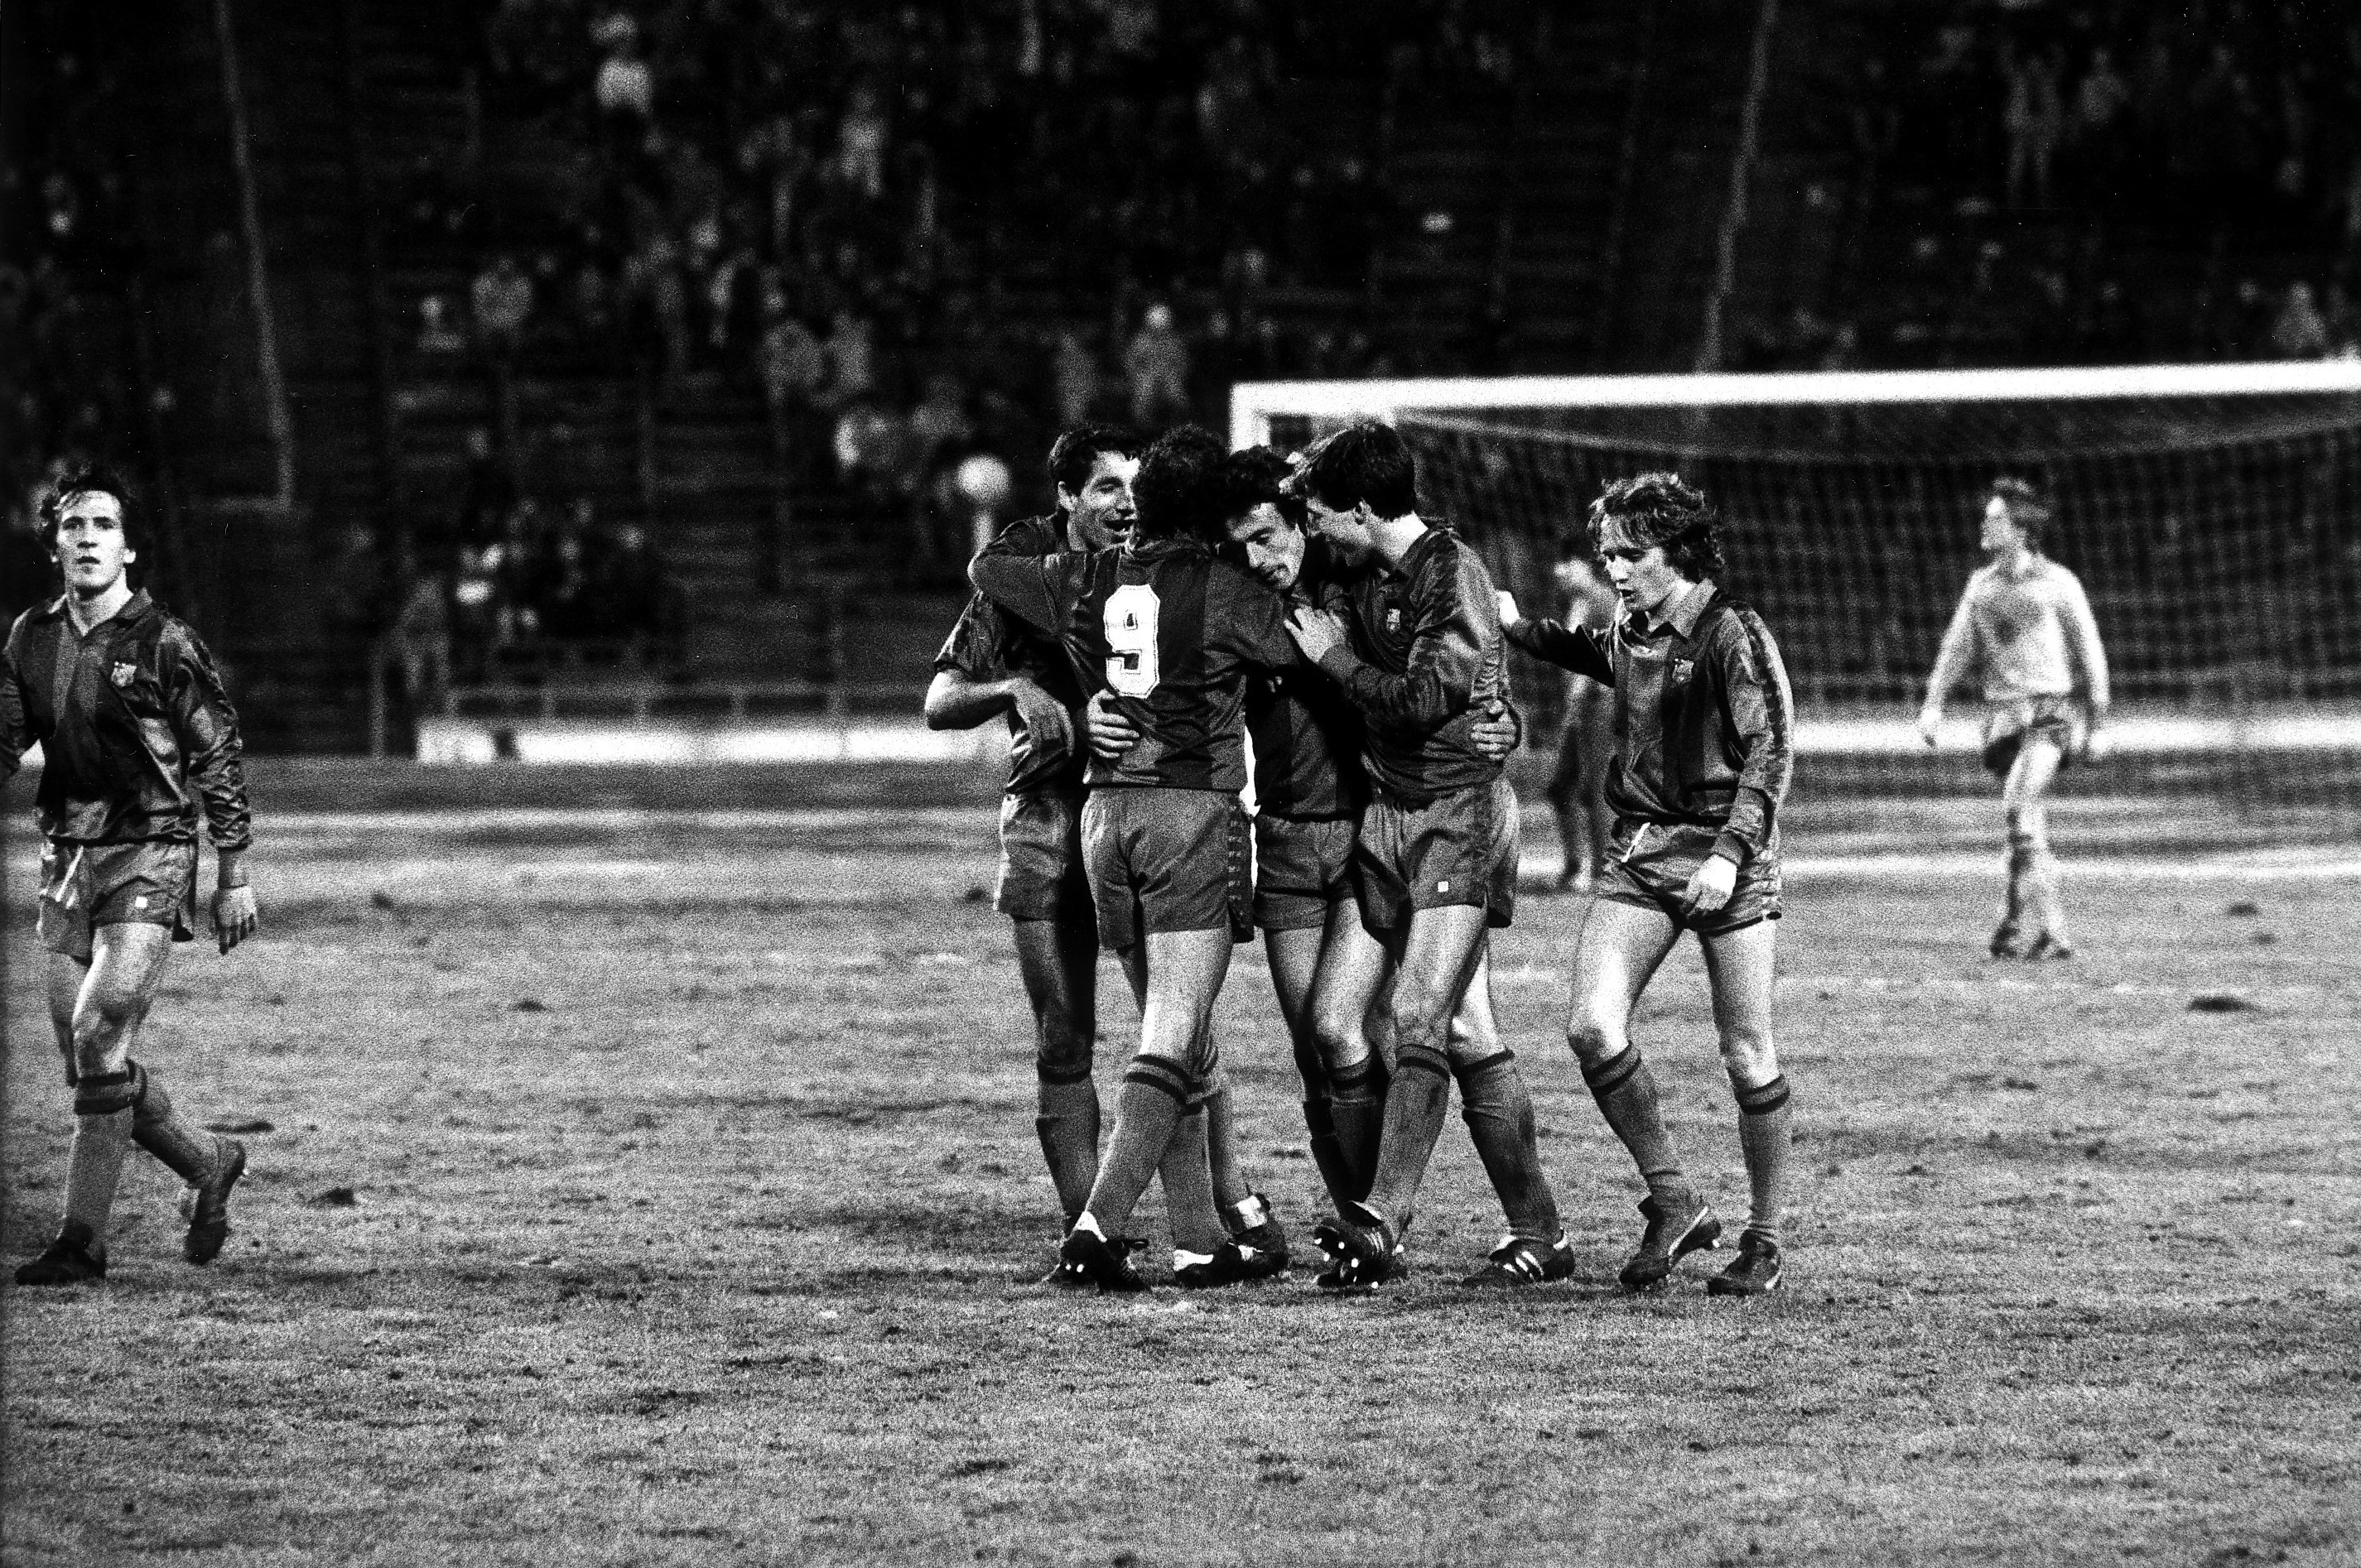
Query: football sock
x,y
1328,1154
1626,1093
1357,1111
1188,1205
187,1152
1762,1115
2048,905
2020,869
1146,1110
1230,1187
1069,1128
1500,1117
1415,1106
102,1137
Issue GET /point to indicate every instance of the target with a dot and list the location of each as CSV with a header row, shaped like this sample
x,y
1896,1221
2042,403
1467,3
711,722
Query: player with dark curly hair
x,y
1704,750
138,742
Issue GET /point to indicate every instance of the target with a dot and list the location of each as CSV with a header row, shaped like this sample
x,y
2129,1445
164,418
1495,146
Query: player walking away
x,y
1577,786
2025,625
136,738
1173,632
991,665
1309,789
1420,655
1703,725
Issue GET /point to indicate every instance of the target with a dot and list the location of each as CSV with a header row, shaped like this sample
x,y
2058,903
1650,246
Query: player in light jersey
x,y
989,666
2026,627
1577,786
1704,750
1174,633
1420,655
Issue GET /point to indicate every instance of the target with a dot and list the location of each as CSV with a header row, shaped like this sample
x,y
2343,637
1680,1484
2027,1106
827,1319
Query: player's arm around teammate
x,y
138,741
1704,723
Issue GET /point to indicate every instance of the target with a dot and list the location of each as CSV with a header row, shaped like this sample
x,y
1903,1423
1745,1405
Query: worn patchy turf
x,y
663,1188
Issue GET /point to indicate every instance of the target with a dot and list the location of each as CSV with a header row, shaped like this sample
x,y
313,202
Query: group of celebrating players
x,y
1183,598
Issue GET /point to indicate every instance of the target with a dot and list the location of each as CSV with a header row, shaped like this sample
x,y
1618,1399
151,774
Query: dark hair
x,y
1075,450
1182,490
1658,508
1260,476
1365,461
83,479
2027,507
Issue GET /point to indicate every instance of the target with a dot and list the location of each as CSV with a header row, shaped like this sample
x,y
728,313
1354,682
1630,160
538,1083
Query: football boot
x,y
1754,1272
1672,1235
1519,1261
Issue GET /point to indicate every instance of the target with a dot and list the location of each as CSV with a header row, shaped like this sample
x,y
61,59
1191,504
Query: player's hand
x,y
1930,724
1315,632
234,915
1495,733
1509,614
1044,718
1710,887
1112,731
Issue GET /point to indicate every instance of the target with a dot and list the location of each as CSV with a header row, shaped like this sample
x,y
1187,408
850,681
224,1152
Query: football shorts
x,y
1168,859
2009,724
1300,868
1041,875
85,886
1461,848
1649,865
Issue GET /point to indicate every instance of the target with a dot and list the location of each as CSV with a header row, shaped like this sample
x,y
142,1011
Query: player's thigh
x,y
2031,775
1439,954
1741,967
1353,965
1058,962
66,976
127,964
1294,957
1475,1031
1619,950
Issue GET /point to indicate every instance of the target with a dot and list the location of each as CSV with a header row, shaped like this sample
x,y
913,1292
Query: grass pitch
x,y
663,1188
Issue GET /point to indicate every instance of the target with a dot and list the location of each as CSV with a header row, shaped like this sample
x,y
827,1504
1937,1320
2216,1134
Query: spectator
x,y
2299,331
852,360
2034,119
1157,363
793,367
488,490
1073,376
625,90
502,297
940,424
420,637
861,136
436,334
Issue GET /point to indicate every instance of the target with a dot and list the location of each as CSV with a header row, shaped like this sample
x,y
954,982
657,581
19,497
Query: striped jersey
x,y
1173,632
1423,660
2029,633
1307,733
988,645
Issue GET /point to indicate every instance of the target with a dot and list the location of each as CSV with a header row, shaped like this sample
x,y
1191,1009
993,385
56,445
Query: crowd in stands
x,y
2051,155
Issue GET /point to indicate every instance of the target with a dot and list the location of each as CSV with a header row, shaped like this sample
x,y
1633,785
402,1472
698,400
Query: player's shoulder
x,y
2052,574
24,626
1031,536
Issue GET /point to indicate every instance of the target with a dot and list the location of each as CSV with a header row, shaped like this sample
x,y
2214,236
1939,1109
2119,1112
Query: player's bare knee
x,y
1594,1040
1749,1056
1338,1039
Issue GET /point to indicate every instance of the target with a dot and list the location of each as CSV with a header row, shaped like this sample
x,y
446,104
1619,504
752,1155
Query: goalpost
x,y
2212,511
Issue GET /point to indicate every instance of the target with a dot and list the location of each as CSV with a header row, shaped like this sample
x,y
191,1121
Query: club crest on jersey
x,y
123,674
1681,668
1393,619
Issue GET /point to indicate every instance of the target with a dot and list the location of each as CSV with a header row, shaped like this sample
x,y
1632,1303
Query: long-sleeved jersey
x,y
1307,734
1172,631
137,736
987,645
1704,719
2030,635
1423,660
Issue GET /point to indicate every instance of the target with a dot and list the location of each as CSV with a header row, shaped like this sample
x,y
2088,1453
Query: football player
x,y
2025,625
1703,748
138,742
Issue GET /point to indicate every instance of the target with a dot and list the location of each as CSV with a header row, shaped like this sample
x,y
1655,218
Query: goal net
x,y
2212,513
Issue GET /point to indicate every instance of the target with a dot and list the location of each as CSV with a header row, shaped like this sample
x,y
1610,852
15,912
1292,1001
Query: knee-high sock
x,y
2020,871
2044,900
1069,1128
1229,1176
1762,1113
1356,1109
102,1137
1147,1108
1500,1117
1416,1104
1626,1093
187,1152
1189,1202
1328,1154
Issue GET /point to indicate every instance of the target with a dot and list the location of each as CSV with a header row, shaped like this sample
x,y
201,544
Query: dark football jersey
x,y
1306,733
987,644
1424,659
1171,631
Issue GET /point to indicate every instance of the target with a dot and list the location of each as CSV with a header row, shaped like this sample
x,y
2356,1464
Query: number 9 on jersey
x,y
1131,667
